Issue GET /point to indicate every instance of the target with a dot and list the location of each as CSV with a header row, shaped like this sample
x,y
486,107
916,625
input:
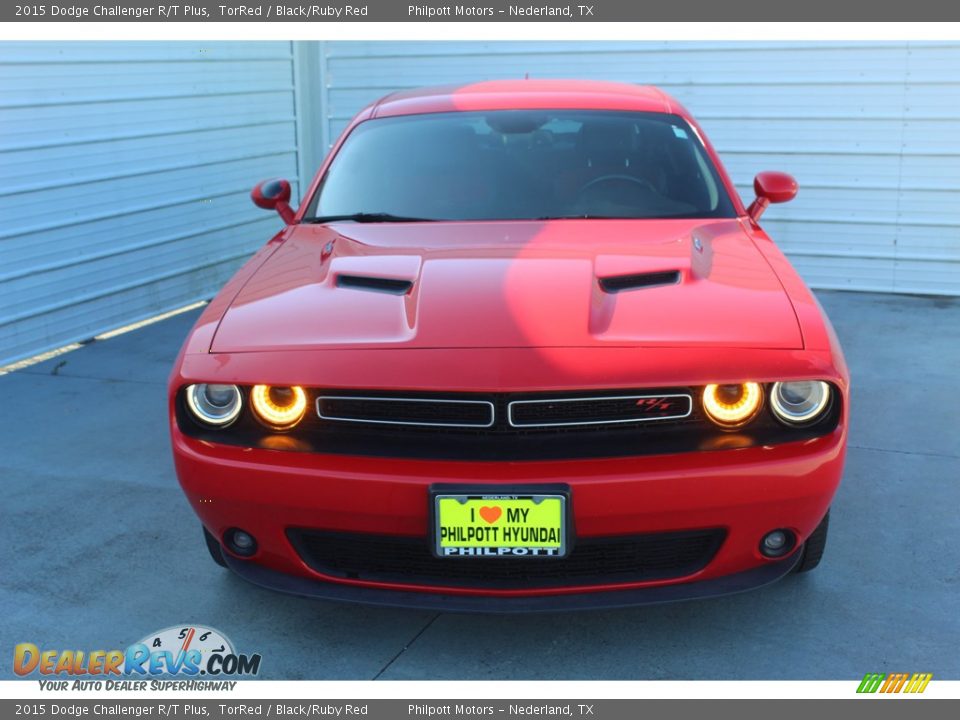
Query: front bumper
x,y
717,587
746,492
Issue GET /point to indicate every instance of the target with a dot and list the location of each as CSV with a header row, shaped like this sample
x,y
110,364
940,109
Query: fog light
x,y
777,543
239,542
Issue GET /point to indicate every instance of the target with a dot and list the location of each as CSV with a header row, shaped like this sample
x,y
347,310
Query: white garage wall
x,y
871,131
125,172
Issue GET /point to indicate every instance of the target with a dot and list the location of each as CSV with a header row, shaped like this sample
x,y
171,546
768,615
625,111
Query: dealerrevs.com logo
x,y
187,651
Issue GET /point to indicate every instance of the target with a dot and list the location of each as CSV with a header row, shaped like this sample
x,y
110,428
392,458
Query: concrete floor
x,y
98,547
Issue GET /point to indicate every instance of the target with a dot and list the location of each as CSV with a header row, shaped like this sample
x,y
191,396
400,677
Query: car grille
x,y
593,561
551,412
557,412
428,412
505,426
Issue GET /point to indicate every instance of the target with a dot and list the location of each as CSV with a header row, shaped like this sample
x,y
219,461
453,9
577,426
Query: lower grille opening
x,y
593,561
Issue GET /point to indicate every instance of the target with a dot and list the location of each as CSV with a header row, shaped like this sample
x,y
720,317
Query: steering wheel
x,y
642,182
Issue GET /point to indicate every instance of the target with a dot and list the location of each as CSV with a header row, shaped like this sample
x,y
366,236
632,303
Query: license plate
x,y
506,526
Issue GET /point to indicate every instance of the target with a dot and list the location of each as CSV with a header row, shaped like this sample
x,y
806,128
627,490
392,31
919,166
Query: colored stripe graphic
x,y
894,683
918,683
871,682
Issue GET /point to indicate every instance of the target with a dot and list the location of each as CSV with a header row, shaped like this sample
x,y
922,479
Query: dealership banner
x,y
325,709
482,11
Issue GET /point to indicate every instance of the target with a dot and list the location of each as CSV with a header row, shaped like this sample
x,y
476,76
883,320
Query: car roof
x,y
527,94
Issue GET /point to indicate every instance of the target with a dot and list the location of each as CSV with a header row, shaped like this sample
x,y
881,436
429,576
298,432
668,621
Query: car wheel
x,y
215,548
814,546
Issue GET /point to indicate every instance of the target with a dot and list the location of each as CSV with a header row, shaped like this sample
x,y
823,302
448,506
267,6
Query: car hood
x,y
564,283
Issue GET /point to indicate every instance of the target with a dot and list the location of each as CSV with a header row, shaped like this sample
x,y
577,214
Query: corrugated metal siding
x,y
125,171
871,131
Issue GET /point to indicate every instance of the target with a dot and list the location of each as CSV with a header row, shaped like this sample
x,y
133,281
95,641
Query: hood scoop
x,y
392,286
637,281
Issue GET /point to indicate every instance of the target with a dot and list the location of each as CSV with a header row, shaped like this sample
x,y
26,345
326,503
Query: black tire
x,y
814,546
215,548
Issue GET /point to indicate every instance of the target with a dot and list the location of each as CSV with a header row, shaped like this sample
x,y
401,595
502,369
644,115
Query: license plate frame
x,y
492,494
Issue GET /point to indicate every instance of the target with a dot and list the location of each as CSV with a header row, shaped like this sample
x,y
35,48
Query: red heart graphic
x,y
490,514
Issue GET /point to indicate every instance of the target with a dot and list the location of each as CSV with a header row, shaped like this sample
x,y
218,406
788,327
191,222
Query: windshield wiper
x,y
365,217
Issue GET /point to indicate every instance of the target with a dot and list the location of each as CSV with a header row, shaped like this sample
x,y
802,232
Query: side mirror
x,y
771,187
274,195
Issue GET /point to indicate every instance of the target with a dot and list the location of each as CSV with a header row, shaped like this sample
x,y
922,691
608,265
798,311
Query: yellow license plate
x,y
500,525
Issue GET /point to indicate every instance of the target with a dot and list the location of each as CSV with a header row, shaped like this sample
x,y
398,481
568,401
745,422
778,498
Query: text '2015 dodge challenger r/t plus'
x,y
521,347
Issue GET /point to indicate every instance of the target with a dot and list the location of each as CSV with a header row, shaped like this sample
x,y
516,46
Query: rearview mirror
x,y
771,187
274,195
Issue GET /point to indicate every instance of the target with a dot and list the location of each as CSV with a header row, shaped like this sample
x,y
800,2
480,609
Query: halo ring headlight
x,y
732,405
279,408
213,404
799,402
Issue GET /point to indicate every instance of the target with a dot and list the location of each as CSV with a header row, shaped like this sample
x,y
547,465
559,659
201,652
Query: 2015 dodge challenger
x,y
521,347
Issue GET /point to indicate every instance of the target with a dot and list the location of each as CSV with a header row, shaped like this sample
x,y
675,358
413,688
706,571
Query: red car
x,y
521,347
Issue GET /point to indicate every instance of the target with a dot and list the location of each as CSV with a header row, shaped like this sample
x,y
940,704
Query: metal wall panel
x,y
871,131
125,172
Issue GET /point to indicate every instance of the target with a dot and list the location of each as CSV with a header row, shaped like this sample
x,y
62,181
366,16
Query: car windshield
x,y
521,165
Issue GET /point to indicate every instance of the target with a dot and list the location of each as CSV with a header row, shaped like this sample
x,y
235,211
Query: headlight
x,y
799,403
217,405
278,407
732,405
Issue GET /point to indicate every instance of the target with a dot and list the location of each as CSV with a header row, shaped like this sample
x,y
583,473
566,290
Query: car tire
x,y
215,548
813,548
